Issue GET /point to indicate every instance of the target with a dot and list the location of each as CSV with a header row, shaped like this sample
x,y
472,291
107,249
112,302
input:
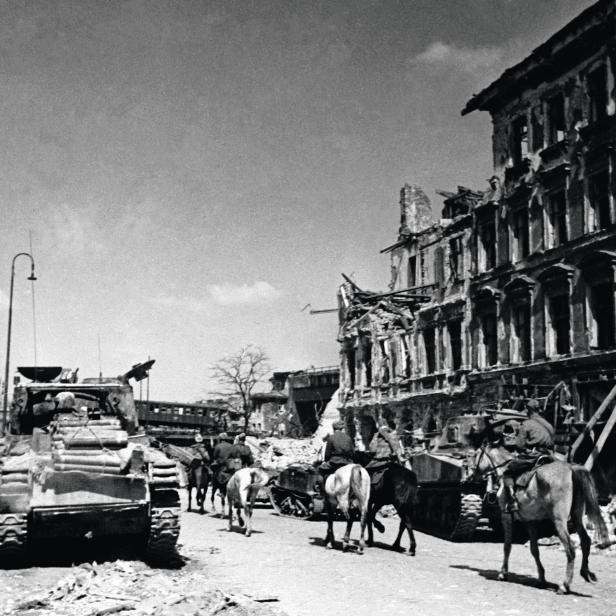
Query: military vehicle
x,y
72,466
452,496
298,492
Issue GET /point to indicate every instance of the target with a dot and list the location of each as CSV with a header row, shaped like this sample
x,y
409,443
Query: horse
x,y
396,486
556,491
242,490
198,477
220,479
347,488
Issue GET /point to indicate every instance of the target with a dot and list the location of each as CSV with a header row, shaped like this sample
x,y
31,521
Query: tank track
x,y
164,527
13,537
289,504
447,513
470,512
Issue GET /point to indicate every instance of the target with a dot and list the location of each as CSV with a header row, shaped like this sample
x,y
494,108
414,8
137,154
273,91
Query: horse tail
x,y
584,488
356,485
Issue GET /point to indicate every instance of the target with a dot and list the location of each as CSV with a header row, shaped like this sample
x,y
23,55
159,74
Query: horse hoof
x,y
563,590
589,576
411,553
502,577
328,546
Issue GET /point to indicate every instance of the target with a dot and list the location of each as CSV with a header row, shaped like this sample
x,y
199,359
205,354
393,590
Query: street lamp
x,y
8,335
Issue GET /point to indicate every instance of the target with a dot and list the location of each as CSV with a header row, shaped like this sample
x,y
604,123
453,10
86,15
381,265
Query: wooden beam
x,y
592,421
596,450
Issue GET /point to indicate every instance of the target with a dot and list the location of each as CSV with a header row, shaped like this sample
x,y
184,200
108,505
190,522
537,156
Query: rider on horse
x,y
242,452
199,449
535,439
385,446
222,456
339,450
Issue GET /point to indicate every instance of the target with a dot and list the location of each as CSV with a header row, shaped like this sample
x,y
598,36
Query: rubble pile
x,y
278,453
132,588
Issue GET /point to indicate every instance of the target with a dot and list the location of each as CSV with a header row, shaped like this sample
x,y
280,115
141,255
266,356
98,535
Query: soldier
x,y
339,450
242,452
535,439
222,453
199,449
385,446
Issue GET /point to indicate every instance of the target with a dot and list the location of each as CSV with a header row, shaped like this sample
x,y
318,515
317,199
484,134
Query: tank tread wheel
x,y
470,513
13,537
289,505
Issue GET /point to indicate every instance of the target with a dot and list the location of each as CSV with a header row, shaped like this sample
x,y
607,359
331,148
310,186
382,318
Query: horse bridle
x,y
493,466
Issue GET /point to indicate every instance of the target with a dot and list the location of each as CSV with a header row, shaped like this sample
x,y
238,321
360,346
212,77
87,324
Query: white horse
x,y
242,491
348,488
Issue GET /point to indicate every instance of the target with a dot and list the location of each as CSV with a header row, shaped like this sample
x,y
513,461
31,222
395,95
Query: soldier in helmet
x,y
535,439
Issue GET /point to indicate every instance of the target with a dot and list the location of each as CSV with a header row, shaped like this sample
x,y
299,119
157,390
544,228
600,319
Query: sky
x,y
190,174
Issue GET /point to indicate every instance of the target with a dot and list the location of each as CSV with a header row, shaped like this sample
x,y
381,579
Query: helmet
x,y
198,438
223,436
532,405
338,425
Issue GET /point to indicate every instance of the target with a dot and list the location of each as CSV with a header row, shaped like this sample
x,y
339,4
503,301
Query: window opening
x,y
599,197
558,218
490,338
520,233
455,342
556,118
520,139
602,308
597,93
521,324
412,277
428,335
559,308
488,242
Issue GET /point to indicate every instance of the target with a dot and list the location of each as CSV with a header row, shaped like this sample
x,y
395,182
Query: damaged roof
x,y
589,29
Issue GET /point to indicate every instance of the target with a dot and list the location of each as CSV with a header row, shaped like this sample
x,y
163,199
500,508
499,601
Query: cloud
x,y
219,294
190,304
439,54
230,295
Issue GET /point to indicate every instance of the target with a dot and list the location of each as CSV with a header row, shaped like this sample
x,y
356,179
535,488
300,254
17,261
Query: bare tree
x,y
240,373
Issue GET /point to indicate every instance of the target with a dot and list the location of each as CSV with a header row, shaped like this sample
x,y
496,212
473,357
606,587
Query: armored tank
x,y
72,466
452,497
297,492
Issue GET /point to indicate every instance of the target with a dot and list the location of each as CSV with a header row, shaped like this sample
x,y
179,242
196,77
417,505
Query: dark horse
x,y
198,474
395,485
220,479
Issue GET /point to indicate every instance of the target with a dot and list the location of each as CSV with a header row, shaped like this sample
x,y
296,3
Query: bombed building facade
x,y
512,291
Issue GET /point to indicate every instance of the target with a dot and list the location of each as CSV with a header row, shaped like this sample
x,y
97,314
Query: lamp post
x,y
8,335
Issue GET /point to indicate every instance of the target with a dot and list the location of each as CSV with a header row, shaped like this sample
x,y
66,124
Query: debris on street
x,y
133,588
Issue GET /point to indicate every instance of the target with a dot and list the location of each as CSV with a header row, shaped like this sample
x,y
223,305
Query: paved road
x,y
285,557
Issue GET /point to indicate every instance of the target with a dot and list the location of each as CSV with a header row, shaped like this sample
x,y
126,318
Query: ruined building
x,y
405,353
544,235
511,292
